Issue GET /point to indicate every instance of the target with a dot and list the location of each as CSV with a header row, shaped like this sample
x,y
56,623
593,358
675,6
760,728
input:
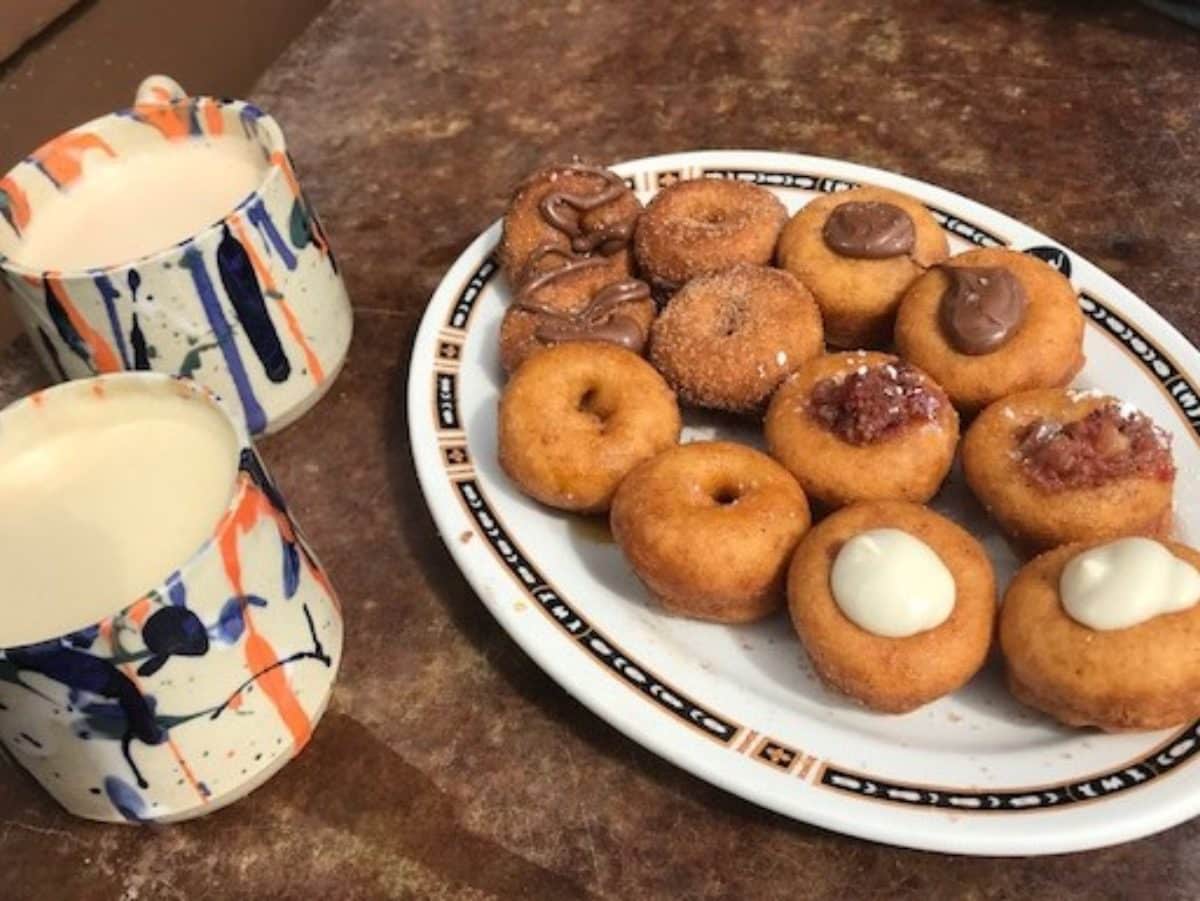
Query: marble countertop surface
x,y
448,765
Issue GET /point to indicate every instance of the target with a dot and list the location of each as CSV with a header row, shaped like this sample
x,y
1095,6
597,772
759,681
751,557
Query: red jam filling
x,y
873,403
1109,443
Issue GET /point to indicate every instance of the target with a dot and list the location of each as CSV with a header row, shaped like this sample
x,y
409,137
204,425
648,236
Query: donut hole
x,y
594,403
730,318
726,495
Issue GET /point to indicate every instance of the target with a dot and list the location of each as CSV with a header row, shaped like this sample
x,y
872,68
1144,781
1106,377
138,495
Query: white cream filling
x,y
892,584
1125,583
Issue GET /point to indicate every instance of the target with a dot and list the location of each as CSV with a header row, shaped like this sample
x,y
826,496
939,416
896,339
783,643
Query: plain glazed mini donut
x,y
858,294
568,212
1144,676
1044,350
863,426
1057,465
699,227
726,341
709,528
577,417
892,674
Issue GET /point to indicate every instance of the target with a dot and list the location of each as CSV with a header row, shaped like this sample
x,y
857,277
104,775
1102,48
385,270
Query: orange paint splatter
x,y
38,398
170,120
214,124
264,275
102,353
18,203
139,612
62,158
260,656
279,158
98,389
236,702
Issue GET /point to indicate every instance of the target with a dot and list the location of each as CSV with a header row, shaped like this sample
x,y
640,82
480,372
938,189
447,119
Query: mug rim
x,y
157,381
275,144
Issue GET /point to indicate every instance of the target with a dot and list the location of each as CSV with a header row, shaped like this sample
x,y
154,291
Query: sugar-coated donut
x,y
577,417
709,528
699,227
1146,676
1043,350
858,251
726,341
578,302
863,425
1056,465
568,211
892,674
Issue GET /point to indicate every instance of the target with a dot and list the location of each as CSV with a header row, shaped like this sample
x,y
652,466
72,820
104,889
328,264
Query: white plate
x,y
974,773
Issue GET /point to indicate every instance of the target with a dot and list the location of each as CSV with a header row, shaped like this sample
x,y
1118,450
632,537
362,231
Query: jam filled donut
x,y
991,322
699,227
577,417
858,251
894,604
565,213
577,302
1107,634
726,341
709,528
1056,465
863,426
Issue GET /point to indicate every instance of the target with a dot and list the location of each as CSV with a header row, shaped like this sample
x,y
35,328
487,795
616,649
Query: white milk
x,y
143,201
101,499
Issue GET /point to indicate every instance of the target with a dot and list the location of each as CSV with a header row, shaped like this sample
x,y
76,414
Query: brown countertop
x,y
449,765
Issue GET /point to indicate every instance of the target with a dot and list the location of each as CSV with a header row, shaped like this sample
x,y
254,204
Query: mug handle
x,y
159,89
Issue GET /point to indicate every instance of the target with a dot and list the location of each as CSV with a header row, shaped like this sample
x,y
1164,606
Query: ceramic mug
x,y
198,691
252,305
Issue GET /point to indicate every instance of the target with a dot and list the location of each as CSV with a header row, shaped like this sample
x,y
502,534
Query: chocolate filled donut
x,y
858,251
992,322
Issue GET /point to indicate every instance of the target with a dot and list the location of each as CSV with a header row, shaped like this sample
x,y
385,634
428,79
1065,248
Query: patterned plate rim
x,y
439,446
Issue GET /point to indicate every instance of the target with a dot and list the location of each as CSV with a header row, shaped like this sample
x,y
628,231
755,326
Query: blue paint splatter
x,y
256,418
52,353
84,638
261,219
125,798
109,295
176,589
86,673
141,353
33,741
291,569
64,327
172,631
231,622
242,289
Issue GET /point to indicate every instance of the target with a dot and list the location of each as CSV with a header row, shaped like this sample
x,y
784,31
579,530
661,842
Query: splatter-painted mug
x,y
211,670
244,296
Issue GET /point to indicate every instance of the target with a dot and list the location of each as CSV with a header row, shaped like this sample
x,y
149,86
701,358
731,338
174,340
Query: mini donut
x,y
579,302
726,341
892,674
1144,676
863,426
893,238
1056,465
709,528
567,212
699,227
577,417
1042,348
